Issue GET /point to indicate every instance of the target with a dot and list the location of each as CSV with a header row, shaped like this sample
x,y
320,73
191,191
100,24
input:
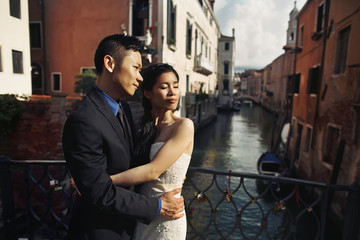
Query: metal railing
x,y
37,201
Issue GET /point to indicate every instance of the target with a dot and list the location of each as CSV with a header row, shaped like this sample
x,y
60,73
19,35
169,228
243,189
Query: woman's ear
x,y
109,63
147,94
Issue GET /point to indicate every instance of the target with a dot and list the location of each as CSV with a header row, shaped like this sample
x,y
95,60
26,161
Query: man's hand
x,y
172,206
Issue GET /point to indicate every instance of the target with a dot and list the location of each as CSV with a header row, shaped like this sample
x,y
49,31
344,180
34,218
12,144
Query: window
x,y
188,37
227,46
226,68
313,80
332,141
291,36
17,58
298,141
341,50
15,8
56,81
36,76
320,18
140,17
187,83
35,35
83,70
307,139
226,84
0,61
171,23
295,83
301,40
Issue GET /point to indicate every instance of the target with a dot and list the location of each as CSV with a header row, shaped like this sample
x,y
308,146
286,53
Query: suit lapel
x,y
105,110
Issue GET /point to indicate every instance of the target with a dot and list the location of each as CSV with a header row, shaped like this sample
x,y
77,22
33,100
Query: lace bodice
x,y
160,227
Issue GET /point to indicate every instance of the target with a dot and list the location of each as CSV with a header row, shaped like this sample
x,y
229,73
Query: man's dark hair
x,y
117,46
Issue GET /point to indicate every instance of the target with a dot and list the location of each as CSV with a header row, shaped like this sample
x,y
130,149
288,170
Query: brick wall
x,y
39,129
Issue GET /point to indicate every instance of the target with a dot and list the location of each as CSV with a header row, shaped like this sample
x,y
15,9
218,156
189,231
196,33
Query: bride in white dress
x,y
167,142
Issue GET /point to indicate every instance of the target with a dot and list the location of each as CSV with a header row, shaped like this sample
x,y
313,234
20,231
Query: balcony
x,y
203,65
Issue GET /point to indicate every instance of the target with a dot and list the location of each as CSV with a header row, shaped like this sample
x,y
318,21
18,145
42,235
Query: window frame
x,y
320,17
314,76
15,8
53,83
1,66
171,23
328,156
17,69
341,54
40,34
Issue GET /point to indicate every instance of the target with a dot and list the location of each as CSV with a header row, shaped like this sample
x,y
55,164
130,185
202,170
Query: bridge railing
x,y
36,203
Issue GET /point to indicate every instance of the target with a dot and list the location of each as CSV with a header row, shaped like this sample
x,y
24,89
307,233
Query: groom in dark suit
x,y
97,143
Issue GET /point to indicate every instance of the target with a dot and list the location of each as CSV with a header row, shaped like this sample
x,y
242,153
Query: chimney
x,y
233,30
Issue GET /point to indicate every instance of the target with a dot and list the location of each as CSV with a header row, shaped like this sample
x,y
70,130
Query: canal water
x,y
233,142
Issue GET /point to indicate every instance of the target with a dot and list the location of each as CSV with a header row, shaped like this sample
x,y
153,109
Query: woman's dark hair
x,y
117,46
148,133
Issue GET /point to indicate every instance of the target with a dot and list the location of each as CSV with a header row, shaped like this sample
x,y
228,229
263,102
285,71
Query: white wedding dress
x,y
162,228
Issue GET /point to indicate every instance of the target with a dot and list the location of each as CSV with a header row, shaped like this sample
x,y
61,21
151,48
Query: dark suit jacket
x,y
94,148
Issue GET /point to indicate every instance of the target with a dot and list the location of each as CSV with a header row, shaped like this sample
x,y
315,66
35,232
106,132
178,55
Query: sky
x,y
260,28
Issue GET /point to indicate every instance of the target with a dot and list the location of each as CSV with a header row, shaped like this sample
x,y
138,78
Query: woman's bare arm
x,y
179,140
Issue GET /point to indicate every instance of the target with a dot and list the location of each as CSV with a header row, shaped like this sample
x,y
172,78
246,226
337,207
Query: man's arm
x,y
83,149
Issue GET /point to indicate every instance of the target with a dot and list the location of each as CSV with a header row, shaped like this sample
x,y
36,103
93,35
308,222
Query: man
x,y
97,143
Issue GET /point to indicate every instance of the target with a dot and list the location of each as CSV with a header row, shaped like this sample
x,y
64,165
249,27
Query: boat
x,y
236,106
270,164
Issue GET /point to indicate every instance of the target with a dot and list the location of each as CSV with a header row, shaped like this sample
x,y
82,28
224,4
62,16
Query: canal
x,y
233,142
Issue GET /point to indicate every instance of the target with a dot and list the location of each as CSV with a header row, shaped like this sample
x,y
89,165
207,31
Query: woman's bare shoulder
x,y
185,124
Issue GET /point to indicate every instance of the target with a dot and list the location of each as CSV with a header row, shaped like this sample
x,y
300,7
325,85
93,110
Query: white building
x,y
184,34
15,64
226,70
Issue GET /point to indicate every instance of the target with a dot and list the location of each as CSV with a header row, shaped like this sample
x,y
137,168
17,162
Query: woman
x,y
168,141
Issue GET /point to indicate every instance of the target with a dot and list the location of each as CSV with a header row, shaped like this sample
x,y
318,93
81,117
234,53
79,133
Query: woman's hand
x,y
74,186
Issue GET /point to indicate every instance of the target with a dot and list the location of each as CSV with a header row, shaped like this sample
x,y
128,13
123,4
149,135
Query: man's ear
x,y
109,63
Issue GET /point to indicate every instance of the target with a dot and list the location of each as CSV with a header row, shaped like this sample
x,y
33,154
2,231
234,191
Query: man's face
x,y
126,77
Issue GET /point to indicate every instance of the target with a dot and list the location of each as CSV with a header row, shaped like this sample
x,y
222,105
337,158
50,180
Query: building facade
x,y
226,69
15,65
325,142
183,34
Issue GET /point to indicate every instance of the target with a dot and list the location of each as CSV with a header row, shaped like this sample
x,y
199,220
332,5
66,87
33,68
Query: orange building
x,y
66,34
325,141
312,22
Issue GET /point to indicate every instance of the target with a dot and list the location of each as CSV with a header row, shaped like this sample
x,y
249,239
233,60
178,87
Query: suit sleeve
x,y
84,153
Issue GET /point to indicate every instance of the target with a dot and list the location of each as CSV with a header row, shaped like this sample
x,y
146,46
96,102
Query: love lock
x,y
279,206
228,196
200,197
55,185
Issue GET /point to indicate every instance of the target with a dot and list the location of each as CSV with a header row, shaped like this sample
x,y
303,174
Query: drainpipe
x,y
45,77
327,10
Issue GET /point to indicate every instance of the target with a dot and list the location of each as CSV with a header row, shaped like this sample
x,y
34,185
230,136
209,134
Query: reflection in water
x,y
234,141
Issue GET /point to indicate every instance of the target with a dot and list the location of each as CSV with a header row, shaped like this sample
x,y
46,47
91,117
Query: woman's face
x,y
165,93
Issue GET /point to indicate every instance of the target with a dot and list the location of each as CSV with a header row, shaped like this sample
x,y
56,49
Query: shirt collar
x,y
112,103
